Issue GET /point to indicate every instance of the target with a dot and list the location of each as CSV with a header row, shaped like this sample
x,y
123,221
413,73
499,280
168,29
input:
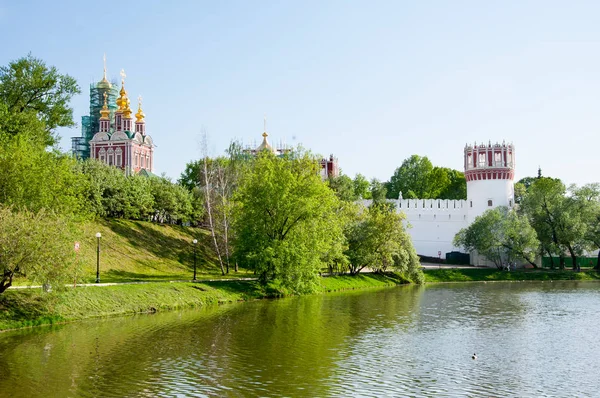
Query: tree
x,y
28,86
286,222
343,186
411,178
35,179
378,191
417,178
588,204
556,217
501,235
377,239
207,183
191,176
36,245
456,187
361,187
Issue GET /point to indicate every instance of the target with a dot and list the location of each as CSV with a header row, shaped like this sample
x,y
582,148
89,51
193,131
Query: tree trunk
x,y
573,258
6,281
561,261
551,258
209,213
4,285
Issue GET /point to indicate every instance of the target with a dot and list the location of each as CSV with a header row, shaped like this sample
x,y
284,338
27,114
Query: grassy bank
x,y
31,307
479,274
143,251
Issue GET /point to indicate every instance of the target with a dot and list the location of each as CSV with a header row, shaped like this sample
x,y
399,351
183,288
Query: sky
x,y
371,82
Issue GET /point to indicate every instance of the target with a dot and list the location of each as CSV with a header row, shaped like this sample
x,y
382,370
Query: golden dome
x,y
119,104
126,109
104,111
140,113
104,83
265,144
123,101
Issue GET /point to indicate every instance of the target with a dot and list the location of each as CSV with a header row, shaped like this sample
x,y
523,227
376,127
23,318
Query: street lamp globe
x,y
98,235
195,241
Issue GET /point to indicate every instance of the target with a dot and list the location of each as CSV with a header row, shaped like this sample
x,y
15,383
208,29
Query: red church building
x,y
127,145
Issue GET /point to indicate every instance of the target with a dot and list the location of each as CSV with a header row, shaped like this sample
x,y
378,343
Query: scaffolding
x,y
90,123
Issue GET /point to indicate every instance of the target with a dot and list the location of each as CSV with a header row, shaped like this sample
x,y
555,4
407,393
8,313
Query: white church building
x,y
489,171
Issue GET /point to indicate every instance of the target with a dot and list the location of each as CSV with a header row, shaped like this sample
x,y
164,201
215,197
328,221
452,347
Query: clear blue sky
x,y
369,81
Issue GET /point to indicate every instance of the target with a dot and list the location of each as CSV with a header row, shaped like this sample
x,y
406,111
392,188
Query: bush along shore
x,y
32,307
491,274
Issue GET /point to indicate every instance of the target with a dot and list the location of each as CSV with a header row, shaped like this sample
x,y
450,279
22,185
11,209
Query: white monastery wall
x,y
489,171
434,223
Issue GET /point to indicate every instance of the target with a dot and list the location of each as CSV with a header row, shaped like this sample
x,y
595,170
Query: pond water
x,y
531,340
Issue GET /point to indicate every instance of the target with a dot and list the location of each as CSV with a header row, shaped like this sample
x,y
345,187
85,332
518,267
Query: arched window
x,y
498,158
102,155
110,156
119,157
482,160
490,203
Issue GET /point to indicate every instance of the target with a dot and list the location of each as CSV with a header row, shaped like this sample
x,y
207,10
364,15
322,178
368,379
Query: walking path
x,y
141,282
423,265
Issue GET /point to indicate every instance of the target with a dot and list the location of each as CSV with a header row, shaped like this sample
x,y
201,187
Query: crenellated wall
x,y
433,223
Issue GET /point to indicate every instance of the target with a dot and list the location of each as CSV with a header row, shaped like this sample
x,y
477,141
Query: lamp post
x,y
194,242
98,236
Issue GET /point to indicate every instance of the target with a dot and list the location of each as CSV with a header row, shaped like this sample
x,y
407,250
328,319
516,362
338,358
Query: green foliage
x,y
378,191
29,87
343,186
110,193
36,245
456,187
361,187
417,178
558,216
411,178
501,235
486,274
33,178
377,239
191,176
286,221
587,200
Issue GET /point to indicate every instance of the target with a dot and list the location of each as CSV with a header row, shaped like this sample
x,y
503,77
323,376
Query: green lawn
x,y
143,251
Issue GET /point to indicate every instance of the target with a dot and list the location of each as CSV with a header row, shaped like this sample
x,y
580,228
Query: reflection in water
x,y
530,339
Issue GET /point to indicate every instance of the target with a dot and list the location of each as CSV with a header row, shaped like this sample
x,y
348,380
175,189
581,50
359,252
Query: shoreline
x,y
27,308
